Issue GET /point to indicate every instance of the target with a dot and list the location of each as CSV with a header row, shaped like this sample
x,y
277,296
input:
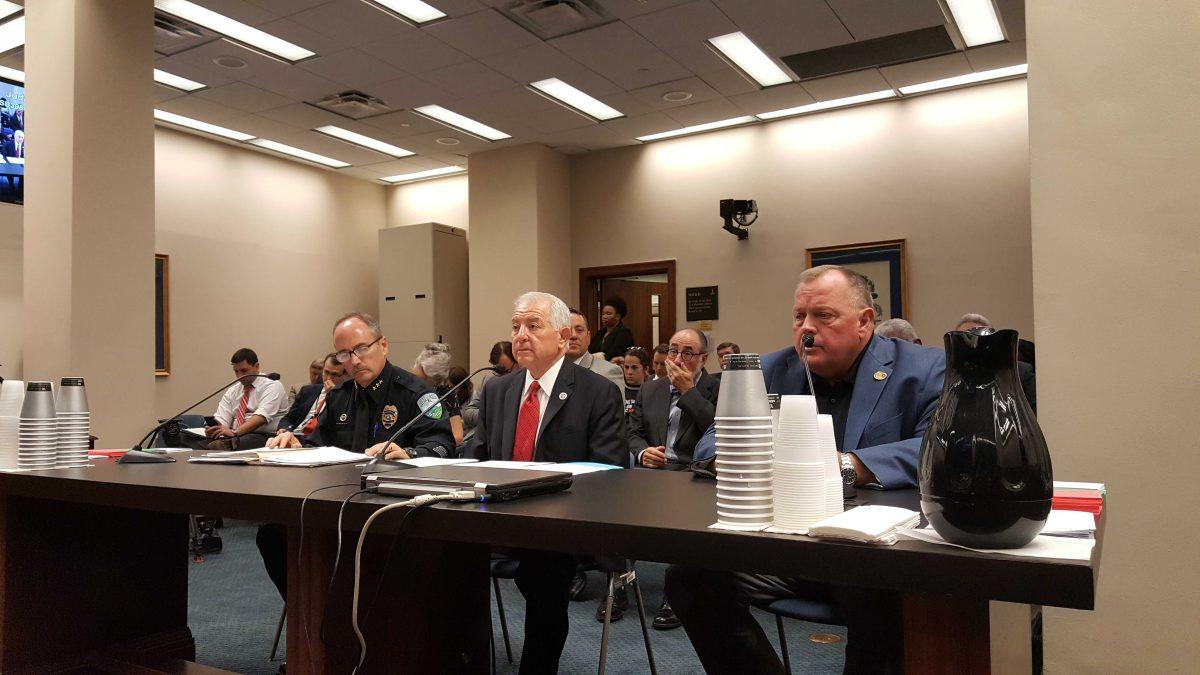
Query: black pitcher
x,y
984,471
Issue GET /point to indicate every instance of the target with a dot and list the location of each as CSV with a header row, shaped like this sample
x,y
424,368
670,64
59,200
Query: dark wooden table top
x,y
641,514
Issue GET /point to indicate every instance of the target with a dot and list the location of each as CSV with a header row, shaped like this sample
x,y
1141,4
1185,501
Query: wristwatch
x,y
849,475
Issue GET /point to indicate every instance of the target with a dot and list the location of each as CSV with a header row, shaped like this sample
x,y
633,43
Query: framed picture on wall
x,y
882,263
162,315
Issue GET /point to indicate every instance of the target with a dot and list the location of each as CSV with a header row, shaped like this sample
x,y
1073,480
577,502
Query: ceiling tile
x,y
849,84
999,55
162,93
926,70
261,126
286,7
248,13
410,91
704,112
621,55
470,78
692,23
202,57
626,9
352,68
450,159
540,61
467,144
14,60
594,137
302,115
642,125
546,120
403,124
200,109
653,96
628,104
482,33
728,82
515,101
244,97
775,98
866,20
192,72
415,52
298,84
304,36
352,21
1012,15
784,27
458,7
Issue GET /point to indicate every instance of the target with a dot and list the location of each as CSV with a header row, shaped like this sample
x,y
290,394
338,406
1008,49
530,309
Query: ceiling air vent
x,y
555,18
173,35
353,104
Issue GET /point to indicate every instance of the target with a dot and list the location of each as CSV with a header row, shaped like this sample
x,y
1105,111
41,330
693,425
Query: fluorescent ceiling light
x,y
462,123
826,105
12,34
697,128
752,61
297,152
12,73
432,173
575,99
180,120
970,78
7,9
234,29
163,77
976,20
365,141
413,10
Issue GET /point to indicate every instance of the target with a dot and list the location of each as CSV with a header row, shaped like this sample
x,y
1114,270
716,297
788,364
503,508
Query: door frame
x,y
589,297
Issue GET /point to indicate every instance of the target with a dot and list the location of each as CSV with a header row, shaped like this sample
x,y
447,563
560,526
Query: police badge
x,y
388,419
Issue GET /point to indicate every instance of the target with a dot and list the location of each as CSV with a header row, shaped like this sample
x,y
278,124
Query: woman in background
x,y
501,355
433,366
613,338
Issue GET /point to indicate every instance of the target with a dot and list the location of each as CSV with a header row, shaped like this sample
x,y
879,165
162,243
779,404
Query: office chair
x,y
812,611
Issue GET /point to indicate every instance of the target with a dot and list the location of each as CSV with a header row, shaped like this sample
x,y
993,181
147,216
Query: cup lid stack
x,y
12,396
74,423
744,446
37,429
800,470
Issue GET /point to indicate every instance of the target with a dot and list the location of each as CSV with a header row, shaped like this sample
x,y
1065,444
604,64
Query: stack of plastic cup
x,y
74,423
799,471
37,445
12,396
744,446
833,467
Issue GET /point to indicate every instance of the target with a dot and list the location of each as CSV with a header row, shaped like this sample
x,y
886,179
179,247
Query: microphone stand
x,y
136,455
808,341
381,465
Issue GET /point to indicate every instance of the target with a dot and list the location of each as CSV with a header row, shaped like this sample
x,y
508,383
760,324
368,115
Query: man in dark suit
x,y
548,410
302,417
881,393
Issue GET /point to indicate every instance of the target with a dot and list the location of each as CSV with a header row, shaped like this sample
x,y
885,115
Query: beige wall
x,y
442,200
1115,153
265,253
947,171
11,274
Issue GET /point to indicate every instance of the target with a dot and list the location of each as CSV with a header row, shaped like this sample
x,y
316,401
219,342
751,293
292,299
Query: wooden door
x,y
597,283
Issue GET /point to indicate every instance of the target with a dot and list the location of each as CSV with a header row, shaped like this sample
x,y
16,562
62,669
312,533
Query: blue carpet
x,y
233,610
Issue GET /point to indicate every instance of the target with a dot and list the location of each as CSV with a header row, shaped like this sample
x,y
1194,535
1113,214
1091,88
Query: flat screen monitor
x,y
12,142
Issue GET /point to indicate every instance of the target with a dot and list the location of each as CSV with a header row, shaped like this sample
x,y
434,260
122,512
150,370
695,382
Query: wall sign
x,y
701,302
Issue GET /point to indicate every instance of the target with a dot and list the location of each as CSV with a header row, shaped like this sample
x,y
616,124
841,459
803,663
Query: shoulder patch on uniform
x,y
430,406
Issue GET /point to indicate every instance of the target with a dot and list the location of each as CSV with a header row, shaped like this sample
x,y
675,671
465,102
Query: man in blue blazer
x,y
881,394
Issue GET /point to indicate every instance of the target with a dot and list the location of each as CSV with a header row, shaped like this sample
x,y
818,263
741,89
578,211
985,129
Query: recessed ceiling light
x,y
421,175
826,105
365,141
235,30
163,77
230,62
414,10
695,129
448,140
180,120
976,20
970,78
575,99
297,152
676,96
12,34
7,9
748,58
461,122
12,74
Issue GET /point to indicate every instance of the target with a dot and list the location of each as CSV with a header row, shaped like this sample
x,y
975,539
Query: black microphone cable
x,y
300,569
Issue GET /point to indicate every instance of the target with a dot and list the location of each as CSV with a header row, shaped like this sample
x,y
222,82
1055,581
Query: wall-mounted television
x,y
12,142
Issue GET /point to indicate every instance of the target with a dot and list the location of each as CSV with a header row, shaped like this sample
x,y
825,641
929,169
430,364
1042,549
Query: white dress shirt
x,y
268,399
545,386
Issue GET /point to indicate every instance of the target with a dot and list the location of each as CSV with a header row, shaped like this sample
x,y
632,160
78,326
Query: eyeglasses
x,y
686,355
344,355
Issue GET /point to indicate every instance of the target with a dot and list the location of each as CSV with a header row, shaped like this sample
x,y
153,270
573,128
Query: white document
x,y
579,468
1072,485
1070,523
1042,546
196,431
436,461
506,464
312,457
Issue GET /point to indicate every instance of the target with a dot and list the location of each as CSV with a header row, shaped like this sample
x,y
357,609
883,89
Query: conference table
x,y
94,565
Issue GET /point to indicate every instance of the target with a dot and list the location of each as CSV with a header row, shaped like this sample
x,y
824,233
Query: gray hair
x,y
372,324
434,361
896,328
860,286
973,318
559,314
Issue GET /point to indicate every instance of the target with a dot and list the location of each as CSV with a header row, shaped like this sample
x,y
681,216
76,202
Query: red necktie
x,y
527,425
241,412
312,423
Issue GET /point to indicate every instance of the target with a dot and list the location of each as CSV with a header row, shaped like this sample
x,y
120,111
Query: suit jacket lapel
x,y
656,406
867,389
564,386
511,408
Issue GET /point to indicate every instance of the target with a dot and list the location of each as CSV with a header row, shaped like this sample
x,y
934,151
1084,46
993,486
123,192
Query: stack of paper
x,y
1073,496
1077,524
304,457
871,524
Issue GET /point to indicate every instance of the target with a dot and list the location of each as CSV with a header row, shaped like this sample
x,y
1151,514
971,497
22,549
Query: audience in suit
x,y
881,393
310,400
549,410
898,329
659,361
613,337
1024,369
577,352
501,355
725,349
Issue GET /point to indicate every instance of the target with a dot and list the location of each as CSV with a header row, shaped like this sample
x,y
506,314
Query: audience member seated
x,y
301,418
501,355
456,401
1024,369
613,337
248,412
898,329
725,349
578,354
881,394
659,361
433,366
635,369
554,411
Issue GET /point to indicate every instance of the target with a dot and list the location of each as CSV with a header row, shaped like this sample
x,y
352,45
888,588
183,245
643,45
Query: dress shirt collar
x,y
546,381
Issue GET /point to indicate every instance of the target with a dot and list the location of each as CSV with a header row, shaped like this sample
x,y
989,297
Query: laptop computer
x,y
488,483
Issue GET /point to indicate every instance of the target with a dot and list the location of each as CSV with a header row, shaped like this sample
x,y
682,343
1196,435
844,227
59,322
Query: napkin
x,y
871,524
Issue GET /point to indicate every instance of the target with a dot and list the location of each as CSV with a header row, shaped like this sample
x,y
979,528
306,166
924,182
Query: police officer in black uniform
x,y
361,414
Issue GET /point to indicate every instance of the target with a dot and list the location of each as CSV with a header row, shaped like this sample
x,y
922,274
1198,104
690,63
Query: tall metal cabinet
x,y
423,290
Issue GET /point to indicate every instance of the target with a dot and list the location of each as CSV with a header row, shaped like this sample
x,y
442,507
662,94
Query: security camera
x,y
741,211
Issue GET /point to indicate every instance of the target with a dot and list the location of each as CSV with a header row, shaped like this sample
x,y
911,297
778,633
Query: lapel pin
x,y
880,375
562,395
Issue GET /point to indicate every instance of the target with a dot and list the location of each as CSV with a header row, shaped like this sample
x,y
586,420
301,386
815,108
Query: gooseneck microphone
x,y
136,455
808,341
381,465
